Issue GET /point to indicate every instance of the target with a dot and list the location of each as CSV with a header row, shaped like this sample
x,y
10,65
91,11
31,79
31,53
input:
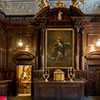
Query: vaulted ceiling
x,y
30,7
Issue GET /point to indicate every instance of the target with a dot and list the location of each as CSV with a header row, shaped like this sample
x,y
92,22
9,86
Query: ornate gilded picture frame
x,y
59,47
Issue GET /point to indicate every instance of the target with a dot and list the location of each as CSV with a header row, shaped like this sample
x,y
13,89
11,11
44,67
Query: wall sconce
x,y
92,48
20,43
98,43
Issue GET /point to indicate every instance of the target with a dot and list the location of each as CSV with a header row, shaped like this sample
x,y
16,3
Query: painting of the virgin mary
x,y
59,48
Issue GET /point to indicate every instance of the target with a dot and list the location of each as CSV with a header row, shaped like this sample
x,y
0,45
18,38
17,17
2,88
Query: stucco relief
x,y
31,7
17,8
22,8
92,8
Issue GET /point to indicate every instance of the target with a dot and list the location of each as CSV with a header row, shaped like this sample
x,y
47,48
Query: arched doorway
x,y
24,73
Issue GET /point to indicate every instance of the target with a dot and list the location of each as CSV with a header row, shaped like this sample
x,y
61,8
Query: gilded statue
x,y
75,3
60,15
26,75
44,3
60,4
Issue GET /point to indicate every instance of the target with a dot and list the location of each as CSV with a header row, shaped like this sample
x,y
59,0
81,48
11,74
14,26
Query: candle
x,y
72,71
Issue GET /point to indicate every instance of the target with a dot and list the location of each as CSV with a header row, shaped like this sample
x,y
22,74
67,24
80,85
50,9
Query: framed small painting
x,y
59,47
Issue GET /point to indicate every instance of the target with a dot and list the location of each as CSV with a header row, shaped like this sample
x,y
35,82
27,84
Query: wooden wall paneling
x,y
9,52
30,39
91,34
35,35
59,90
36,48
93,73
2,40
46,19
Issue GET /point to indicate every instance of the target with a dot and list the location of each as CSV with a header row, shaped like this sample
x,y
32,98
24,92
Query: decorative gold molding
x,y
60,4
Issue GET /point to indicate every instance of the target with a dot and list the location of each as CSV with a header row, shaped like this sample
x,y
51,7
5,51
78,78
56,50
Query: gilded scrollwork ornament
x,y
75,3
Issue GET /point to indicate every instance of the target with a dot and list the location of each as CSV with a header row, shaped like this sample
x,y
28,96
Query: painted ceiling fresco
x,y
30,7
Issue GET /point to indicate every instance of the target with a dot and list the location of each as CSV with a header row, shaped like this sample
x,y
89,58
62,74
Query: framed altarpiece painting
x,y
59,48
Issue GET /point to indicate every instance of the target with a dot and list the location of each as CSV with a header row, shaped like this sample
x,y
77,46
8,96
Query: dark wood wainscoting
x,y
93,73
5,87
59,90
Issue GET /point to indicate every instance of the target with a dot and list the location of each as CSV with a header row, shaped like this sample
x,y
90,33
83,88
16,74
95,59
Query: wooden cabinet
x,y
93,73
93,77
59,90
5,87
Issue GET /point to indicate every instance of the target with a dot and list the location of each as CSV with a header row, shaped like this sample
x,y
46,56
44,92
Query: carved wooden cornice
x,y
93,58
58,16
23,57
93,18
93,55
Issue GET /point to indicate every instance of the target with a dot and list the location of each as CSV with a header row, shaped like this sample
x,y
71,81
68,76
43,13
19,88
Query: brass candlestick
x,y
46,74
71,74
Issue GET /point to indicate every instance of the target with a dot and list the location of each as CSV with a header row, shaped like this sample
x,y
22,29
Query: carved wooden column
x,y
77,47
79,56
43,47
38,60
81,44
83,21
82,50
40,39
76,27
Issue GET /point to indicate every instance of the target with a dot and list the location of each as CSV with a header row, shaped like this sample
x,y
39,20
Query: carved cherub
x,y
44,3
75,3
